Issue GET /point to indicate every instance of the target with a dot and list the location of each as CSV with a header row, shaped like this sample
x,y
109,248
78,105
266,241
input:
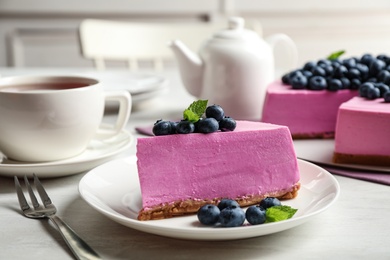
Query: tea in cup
x,y
48,118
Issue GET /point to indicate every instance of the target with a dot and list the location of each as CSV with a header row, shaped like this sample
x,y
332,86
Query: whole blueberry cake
x,y
195,162
307,100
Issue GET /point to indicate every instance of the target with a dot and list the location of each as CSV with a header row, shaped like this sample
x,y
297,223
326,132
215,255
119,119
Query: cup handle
x,y
124,98
290,52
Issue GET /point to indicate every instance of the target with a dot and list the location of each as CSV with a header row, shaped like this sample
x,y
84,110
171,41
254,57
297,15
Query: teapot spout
x,y
190,67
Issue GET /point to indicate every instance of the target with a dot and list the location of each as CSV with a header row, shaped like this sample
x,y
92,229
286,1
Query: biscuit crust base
x,y
374,160
186,207
326,135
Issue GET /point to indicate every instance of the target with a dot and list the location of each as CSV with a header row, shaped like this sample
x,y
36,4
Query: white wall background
x,y
43,33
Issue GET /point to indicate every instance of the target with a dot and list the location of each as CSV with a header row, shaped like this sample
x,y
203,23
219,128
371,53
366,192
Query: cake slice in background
x,y
363,132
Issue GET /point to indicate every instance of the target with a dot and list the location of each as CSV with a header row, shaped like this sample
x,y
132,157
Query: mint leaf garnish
x,y
335,55
279,213
194,112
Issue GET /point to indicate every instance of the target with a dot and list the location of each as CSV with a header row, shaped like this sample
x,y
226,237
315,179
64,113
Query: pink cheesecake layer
x,y
363,127
303,111
254,159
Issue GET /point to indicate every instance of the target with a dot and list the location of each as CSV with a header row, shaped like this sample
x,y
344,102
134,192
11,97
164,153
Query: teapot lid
x,y
236,31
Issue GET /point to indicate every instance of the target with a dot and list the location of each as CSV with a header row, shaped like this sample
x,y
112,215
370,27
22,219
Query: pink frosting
x,y
254,159
363,127
303,111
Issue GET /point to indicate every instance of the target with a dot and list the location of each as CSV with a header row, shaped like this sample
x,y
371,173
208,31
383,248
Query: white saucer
x,y
321,151
118,197
98,152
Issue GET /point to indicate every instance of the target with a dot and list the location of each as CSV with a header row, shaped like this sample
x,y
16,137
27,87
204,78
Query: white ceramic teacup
x,y
48,118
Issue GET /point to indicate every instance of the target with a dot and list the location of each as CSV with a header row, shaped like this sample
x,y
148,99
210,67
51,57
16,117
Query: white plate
x,y
142,86
118,197
140,97
321,151
98,152
135,83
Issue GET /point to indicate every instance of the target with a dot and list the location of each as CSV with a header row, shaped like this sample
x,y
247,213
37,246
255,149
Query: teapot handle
x,y
285,59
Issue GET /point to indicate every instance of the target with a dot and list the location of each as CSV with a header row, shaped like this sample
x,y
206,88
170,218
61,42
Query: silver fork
x,y
79,248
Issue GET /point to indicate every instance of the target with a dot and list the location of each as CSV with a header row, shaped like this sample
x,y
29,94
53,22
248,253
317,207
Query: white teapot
x,y
232,69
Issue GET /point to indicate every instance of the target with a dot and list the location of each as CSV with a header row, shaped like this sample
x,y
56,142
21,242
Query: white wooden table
x,y
357,226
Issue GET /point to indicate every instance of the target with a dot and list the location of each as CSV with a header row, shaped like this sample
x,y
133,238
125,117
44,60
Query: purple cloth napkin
x,y
372,176
145,130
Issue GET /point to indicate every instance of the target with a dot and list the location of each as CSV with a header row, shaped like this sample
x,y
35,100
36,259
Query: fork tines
x,y
78,246
41,191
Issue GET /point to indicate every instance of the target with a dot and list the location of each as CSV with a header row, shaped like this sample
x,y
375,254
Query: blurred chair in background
x,y
135,42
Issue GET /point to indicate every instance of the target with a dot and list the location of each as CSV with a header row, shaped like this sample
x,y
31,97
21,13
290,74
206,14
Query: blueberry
x,y
363,89
353,73
208,214
372,79
383,76
307,73
363,69
162,127
340,71
270,202
215,111
309,65
326,65
185,127
294,73
255,215
349,63
286,79
317,83
335,84
173,126
232,217
367,59
329,70
336,63
383,88
207,125
375,67
386,96
383,57
196,124
324,62
355,83
318,71
386,80
346,83
298,82
227,124
373,93
224,203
